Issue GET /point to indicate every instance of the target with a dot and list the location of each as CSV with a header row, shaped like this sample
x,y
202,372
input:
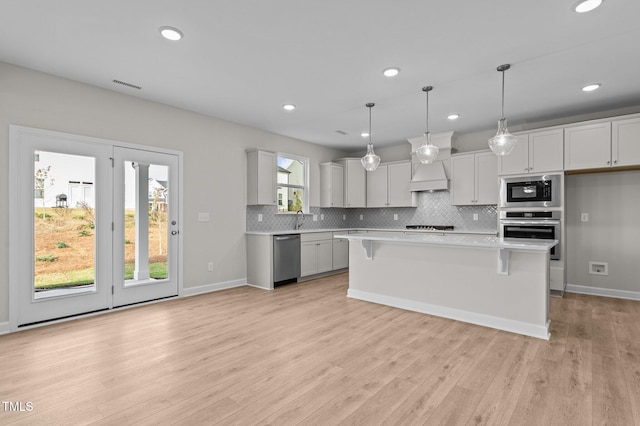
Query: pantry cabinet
x,y
474,179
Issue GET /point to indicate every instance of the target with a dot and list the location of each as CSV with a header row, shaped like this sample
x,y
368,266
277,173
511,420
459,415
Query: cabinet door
x,y
625,145
355,188
337,185
399,194
261,178
546,151
462,179
324,255
340,253
308,258
486,175
587,147
517,162
377,187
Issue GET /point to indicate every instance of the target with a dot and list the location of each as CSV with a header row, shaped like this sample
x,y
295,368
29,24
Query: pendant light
x,y
371,160
503,142
428,152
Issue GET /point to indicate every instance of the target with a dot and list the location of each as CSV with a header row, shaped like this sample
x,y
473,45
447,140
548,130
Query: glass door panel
x,y
64,240
146,225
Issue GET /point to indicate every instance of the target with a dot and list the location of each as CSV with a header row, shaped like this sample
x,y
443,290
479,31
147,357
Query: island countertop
x,y
452,240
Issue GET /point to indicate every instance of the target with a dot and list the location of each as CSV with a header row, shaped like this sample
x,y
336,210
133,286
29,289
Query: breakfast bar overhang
x,y
489,281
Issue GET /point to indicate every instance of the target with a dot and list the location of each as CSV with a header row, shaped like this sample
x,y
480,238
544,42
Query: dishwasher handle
x,y
286,237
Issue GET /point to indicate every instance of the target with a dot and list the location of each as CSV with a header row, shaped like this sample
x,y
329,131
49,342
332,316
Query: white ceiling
x,y
242,60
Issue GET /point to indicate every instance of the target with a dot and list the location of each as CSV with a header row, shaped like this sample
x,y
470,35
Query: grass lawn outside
x,y
81,277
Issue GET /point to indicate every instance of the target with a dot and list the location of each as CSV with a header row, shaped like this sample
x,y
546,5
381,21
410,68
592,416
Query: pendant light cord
x,y
427,92
503,94
370,142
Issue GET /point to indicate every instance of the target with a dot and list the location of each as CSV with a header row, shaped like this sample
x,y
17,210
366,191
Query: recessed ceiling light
x,y
453,116
591,87
364,134
171,33
391,72
288,107
586,5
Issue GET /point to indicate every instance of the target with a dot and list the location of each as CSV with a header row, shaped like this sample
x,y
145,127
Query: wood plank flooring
x,y
306,354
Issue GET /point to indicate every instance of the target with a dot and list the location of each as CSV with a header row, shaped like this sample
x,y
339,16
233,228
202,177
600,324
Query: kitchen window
x,y
293,183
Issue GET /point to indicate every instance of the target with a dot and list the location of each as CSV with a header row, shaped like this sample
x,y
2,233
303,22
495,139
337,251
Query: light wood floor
x,y
305,354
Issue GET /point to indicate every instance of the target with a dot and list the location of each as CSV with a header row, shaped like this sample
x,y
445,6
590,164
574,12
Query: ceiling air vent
x,y
124,83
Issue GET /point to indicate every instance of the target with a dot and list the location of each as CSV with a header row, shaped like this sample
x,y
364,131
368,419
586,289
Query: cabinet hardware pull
x,y
608,162
615,162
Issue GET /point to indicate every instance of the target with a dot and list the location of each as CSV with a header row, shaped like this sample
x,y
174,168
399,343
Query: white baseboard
x,y
606,292
208,288
541,332
4,327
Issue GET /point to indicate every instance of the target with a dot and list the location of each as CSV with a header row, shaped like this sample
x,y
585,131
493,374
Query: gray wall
x,y
214,161
612,233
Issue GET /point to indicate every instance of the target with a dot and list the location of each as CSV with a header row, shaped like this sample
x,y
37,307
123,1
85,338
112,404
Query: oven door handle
x,y
530,222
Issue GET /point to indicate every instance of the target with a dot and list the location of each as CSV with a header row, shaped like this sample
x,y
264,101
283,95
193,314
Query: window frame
x,y
305,187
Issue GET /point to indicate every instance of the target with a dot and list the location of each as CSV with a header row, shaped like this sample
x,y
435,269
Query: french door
x,y
94,225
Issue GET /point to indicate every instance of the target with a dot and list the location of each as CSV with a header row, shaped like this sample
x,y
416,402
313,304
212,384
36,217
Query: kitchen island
x,y
484,280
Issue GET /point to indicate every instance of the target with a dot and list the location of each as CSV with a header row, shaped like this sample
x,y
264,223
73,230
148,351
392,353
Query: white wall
x,y
34,99
612,233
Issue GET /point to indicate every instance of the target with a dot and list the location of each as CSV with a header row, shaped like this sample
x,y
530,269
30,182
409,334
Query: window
x,y
292,179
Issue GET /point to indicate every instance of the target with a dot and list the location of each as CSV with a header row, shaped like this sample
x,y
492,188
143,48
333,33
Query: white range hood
x,y
433,176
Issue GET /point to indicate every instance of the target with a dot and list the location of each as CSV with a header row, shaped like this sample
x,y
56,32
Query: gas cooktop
x,y
431,227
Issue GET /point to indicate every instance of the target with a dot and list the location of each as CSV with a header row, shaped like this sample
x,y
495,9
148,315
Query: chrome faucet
x,y
298,223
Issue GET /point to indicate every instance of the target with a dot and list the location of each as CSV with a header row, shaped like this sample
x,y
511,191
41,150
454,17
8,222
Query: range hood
x,y
433,176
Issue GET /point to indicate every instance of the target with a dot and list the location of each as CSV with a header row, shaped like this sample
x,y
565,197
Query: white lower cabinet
x,y
316,253
340,253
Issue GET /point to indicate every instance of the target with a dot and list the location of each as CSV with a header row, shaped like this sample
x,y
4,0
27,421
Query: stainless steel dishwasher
x,y
286,258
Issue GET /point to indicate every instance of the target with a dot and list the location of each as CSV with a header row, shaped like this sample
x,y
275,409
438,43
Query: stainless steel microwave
x,y
530,191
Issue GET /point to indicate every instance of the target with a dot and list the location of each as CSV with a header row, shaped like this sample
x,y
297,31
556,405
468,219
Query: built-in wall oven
x,y
530,191
543,225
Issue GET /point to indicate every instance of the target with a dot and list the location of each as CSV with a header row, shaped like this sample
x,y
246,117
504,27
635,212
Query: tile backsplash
x,y
433,208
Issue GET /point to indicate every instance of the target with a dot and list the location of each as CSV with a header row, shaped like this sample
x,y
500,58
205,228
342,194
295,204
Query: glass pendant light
x,y
503,142
427,153
371,160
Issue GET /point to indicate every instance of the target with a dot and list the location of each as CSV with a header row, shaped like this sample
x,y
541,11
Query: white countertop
x,y
394,230
449,240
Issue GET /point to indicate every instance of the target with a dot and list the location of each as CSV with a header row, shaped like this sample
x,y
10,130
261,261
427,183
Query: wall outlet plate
x,y
598,268
259,217
584,217
203,217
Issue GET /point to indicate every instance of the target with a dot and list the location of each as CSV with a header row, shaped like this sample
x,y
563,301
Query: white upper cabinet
x,y
535,152
388,186
355,183
474,179
587,147
261,177
331,185
625,146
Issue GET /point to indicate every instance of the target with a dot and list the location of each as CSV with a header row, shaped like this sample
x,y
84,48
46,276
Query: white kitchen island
x,y
489,281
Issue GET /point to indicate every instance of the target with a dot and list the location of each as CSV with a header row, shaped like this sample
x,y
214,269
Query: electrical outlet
x,y
361,217
259,217
322,216
395,216
210,266
203,217
344,217
584,217
315,217
475,216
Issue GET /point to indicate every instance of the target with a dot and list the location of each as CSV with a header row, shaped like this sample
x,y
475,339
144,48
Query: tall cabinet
x,y
355,183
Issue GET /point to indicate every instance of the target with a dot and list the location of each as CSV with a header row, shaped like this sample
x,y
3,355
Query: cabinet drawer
x,y
316,236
